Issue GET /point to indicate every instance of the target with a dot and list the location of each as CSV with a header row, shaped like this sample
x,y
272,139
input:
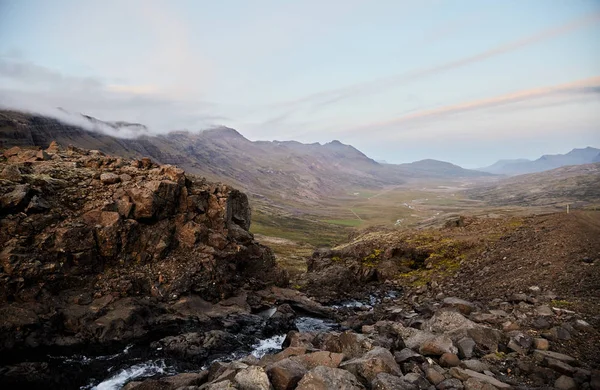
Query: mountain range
x,y
546,162
280,170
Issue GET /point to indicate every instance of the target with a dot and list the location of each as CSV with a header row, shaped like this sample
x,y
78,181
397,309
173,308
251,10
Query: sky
x,y
468,81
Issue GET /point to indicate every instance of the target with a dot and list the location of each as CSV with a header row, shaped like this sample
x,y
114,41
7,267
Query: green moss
x,y
372,259
560,303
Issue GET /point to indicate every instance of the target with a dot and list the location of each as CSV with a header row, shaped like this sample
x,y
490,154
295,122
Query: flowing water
x,y
137,369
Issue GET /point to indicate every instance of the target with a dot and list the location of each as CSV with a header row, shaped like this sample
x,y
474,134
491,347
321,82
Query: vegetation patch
x,y
345,222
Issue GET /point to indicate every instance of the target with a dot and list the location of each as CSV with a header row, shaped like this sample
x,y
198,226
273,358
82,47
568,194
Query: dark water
x,y
112,372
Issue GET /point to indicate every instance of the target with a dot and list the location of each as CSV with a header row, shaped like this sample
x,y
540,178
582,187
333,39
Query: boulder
x,y
465,307
109,178
320,358
11,172
436,346
285,374
449,360
367,367
565,383
327,378
464,375
385,381
252,378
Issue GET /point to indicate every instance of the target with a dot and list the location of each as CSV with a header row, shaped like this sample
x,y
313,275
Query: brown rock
x,y
449,360
465,307
541,344
433,376
42,156
320,358
326,378
384,381
437,346
565,383
109,178
14,151
11,172
286,374
367,367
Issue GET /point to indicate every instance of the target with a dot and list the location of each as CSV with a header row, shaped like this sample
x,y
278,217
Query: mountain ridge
x,y
546,162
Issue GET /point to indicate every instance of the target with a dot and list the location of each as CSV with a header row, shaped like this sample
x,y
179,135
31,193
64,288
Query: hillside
x,y
578,185
544,163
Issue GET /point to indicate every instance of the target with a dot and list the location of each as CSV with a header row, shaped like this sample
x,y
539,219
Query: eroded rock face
x,y
81,231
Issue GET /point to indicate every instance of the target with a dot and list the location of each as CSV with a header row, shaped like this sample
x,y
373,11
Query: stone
x,y
15,150
320,358
509,326
541,323
474,384
520,342
541,355
465,347
41,155
582,325
17,199
12,173
433,376
408,354
222,385
450,384
465,307
463,375
384,381
53,148
37,205
475,365
544,311
417,380
449,360
252,378
109,178
565,383
560,367
541,344
285,374
327,378
351,344
367,367
520,297
438,345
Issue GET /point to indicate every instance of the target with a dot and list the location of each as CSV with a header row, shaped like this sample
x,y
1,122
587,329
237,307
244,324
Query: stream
x,y
139,362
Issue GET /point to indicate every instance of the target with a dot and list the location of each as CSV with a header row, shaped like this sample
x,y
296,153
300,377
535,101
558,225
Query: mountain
x,y
283,171
578,185
544,163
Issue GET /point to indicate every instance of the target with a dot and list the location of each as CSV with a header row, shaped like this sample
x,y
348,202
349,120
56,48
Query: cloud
x,y
587,86
35,88
360,89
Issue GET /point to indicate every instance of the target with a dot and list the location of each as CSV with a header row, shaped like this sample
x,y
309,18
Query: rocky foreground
x,y
103,254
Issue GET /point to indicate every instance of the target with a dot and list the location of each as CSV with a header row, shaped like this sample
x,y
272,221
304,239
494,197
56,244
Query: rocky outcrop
x,y
99,249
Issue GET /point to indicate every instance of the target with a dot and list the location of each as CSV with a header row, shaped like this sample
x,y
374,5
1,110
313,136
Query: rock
x,y
449,360
433,376
544,311
474,384
582,326
16,200
326,378
384,381
437,346
587,260
541,355
286,374
520,342
449,384
465,347
565,383
11,172
186,379
109,178
37,205
367,367
252,378
42,156
350,344
474,365
15,150
557,333
417,381
320,358
509,326
465,307
222,385
53,148
520,297
408,354
560,367
541,344
541,323
464,375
